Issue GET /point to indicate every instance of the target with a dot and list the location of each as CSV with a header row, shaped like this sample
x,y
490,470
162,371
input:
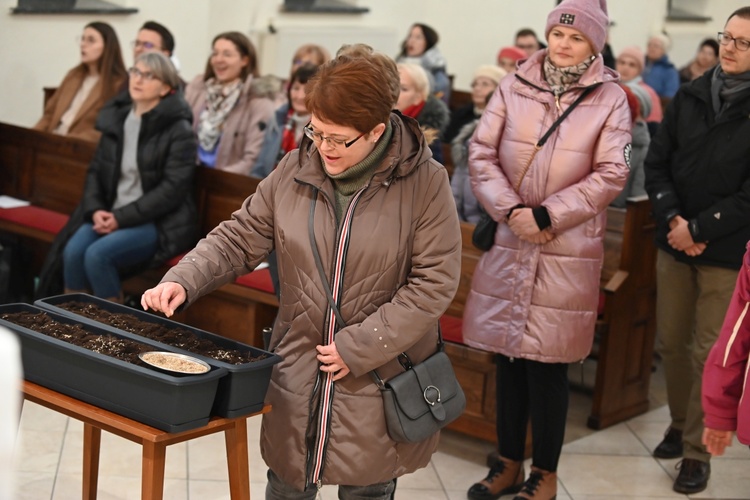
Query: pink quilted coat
x,y
539,301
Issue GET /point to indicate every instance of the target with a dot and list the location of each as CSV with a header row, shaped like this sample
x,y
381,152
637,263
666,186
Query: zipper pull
x,y
557,102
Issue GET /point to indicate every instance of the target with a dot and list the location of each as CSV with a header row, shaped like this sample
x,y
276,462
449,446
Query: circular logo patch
x,y
627,152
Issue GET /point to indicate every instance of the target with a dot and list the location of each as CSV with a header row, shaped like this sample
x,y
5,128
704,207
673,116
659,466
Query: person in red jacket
x,y
725,397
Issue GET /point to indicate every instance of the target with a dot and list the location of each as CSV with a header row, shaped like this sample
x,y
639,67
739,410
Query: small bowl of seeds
x,y
172,362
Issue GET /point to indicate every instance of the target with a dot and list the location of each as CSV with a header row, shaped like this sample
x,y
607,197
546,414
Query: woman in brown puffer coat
x,y
385,225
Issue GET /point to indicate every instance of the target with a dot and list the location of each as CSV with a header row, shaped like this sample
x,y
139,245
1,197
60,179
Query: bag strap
x,y
549,132
319,263
403,358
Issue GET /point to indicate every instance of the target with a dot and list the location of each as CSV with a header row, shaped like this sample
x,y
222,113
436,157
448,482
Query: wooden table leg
x,y
152,478
237,461
92,438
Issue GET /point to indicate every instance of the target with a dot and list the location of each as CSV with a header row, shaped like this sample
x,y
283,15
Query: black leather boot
x,y
693,476
671,445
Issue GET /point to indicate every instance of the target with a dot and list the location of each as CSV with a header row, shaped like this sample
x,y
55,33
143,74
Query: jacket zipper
x,y
316,456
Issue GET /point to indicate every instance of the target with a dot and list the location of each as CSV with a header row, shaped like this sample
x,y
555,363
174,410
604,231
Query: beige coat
x,y
245,125
82,126
401,272
539,301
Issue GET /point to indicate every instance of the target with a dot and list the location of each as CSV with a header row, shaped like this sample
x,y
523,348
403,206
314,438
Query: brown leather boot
x,y
540,485
505,477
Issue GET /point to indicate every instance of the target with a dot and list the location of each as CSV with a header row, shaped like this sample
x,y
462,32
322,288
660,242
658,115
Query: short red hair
x,y
353,91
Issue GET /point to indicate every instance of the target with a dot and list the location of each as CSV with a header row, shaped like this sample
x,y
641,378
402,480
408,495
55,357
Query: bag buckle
x,y
405,362
434,391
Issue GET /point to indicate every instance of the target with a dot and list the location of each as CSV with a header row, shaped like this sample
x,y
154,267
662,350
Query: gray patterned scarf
x,y
560,79
220,100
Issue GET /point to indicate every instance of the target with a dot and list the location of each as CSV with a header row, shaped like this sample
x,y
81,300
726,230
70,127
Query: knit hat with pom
x,y
587,16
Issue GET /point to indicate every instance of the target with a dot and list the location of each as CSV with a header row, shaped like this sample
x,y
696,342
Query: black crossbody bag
x,y
483,236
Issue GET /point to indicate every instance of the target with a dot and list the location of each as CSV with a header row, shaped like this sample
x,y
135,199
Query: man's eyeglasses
x,y
146,45
146,75
739,43
333,142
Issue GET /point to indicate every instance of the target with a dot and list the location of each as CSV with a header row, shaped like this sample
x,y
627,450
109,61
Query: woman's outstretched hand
x,y
165,297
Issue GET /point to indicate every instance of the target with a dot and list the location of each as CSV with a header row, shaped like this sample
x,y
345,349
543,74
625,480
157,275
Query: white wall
x,y
37,50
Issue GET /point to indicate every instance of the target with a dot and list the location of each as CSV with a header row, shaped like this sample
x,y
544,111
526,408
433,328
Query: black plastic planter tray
x,y
240,393
167,402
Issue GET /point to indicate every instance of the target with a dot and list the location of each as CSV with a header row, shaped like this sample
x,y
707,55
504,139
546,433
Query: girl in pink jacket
x,y
534,294
726,406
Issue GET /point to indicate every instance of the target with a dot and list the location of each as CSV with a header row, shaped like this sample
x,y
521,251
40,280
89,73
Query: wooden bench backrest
x,y
470,256
219,194
50,170
47,170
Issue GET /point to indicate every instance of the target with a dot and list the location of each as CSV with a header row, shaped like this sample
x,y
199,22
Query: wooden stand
x,y
154,442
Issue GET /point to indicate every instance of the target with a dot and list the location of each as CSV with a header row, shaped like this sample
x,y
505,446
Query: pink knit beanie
x,y
634,52
587,16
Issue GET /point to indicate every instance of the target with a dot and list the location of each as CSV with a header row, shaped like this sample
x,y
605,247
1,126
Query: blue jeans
x,y
92,261
276,489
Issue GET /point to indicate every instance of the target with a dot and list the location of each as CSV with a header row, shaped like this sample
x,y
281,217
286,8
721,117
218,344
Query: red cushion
x,y
259,280
452,328
35,217
602,302
174,260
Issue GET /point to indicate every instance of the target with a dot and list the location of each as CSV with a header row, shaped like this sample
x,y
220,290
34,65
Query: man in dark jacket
x,y
698,179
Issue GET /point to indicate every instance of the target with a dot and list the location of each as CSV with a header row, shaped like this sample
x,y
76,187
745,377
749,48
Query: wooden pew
x,y
49,171
475,369
235,311
625,331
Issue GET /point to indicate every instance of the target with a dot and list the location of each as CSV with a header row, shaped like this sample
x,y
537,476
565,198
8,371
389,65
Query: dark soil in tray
x,y
109,345
181,338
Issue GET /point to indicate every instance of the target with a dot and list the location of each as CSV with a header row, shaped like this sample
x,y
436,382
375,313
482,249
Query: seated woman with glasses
x,y
73,108
138,208
231,106
361,203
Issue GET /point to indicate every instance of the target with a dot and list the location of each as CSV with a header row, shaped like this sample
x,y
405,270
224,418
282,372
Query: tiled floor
x,y
612,464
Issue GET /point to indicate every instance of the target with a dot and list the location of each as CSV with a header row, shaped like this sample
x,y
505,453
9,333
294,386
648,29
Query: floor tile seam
x,y
640,440
440,481
60,457
573,452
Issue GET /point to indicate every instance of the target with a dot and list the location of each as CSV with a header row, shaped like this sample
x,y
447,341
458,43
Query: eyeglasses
x,y
146,45
332,142
739,43
146,75
88,40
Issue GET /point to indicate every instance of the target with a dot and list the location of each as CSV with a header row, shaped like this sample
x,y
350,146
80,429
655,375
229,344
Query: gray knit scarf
x,y
560,79
727,89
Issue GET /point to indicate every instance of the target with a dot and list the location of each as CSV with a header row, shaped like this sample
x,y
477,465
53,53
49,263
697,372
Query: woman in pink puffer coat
x,y
534,294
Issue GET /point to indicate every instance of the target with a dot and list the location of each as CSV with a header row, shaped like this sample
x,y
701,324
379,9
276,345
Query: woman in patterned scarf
x,y
231,107
534,294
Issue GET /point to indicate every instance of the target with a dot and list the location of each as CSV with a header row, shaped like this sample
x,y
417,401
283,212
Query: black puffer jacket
x,y
166,161
698,167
